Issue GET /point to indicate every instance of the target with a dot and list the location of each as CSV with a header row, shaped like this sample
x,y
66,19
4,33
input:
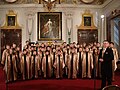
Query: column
x,y
29,28
102,29
69,26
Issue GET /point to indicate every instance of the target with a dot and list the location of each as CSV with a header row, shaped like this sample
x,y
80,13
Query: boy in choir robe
x,y
59,64
98,46
53,58
35,66
72,63
49,49
7,65
4,54
87,63
28,65
25,62
116,58
13,58
13,47
37,46
68,49
95,62
84,45
39,55
11,67
18,54
27,43
47,65
80,53
42,54
65,60
32,50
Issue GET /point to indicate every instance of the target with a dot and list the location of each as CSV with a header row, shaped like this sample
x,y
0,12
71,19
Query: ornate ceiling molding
x,y
11,1
88,1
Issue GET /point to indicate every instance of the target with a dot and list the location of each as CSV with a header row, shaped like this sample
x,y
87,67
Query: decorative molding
x,y
88,1
15,25
90,24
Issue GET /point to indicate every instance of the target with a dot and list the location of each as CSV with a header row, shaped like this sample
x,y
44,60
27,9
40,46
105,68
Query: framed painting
x,y
87,21
11,20
49,26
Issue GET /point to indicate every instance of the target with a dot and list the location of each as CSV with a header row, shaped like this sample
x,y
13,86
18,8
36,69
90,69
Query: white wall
x,y
23,10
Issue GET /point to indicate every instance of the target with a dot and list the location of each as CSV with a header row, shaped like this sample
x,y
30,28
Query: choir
x,y
52,61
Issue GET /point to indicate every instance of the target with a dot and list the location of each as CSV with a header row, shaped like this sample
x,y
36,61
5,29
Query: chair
x,y
111,87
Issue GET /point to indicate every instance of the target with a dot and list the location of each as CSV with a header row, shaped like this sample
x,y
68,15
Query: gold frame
x,y
15,25
82,26
43,17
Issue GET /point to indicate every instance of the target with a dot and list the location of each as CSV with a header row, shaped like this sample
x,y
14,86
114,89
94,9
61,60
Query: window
x,y
116,31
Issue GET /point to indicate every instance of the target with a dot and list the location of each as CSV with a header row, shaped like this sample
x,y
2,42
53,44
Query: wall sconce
x,y
49,4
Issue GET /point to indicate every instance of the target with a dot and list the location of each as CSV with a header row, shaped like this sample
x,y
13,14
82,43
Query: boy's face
x,y
59,52
47,53
34,52
8,47
10,51
14,45
111,45
86,49
54,50
80,49
98,44
73,50
18,48
24,52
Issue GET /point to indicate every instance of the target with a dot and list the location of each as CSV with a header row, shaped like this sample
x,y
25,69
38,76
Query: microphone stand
x,y
94,63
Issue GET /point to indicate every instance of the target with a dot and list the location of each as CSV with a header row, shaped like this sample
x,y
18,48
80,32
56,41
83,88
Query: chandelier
x,y
49,4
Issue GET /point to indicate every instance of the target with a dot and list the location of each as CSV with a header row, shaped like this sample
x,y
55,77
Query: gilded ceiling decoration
x,y
93,2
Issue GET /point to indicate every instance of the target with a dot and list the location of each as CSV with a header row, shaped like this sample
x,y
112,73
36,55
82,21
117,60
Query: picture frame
x,y
49,26
87,21
11,20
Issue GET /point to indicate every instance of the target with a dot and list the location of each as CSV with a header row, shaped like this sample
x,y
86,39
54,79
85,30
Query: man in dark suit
x,y
105,57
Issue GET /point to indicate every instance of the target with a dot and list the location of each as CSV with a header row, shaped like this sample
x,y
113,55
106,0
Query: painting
x,y
87,21
49,26
11,20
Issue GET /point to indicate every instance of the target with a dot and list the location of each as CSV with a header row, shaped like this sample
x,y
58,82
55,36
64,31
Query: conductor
x,y
105,57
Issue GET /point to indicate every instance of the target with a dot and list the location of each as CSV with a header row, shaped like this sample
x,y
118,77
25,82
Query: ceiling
x,y
78,2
